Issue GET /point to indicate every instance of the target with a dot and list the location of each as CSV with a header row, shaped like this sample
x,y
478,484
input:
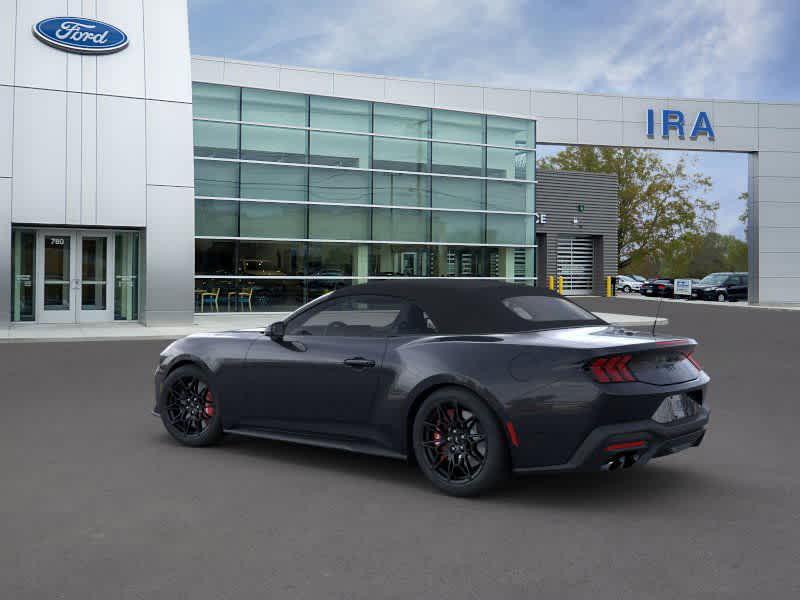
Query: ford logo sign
x,y
84,36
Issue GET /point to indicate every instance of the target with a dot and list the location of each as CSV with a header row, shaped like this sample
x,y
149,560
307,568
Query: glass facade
x,y
297,195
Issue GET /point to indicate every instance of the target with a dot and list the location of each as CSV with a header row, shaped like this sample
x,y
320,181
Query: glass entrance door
x,y
73,274
56,277
94,294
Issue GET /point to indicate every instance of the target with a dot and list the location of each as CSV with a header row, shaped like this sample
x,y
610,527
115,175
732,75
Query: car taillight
x,y
611,369
661,287
690,357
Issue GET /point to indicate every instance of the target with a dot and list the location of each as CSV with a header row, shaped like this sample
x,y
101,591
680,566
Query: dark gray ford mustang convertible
x,y
471,379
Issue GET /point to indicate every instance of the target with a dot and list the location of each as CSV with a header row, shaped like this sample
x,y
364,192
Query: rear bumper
x,y
637,442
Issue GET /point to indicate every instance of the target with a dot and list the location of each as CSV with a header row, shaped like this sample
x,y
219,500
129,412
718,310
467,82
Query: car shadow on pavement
x,y
655,483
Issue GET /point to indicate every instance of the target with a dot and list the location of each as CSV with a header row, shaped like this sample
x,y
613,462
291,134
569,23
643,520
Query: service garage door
x,y
576,264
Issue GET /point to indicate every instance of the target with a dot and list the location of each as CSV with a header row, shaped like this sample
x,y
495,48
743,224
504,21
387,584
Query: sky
x,y
733,49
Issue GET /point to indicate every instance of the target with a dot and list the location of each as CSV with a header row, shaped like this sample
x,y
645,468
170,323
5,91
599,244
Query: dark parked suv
x,y
721,287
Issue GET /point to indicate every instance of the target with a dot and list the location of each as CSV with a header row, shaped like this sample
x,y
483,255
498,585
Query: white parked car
x,y
627,284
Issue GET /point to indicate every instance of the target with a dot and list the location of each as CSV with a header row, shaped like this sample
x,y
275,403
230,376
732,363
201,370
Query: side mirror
x,y
277,330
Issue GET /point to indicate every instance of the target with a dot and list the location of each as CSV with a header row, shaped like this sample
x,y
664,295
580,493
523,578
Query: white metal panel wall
x,y
8,25
121,73
39,156
169,255
121,162
169,144
36,64
167,58
6,128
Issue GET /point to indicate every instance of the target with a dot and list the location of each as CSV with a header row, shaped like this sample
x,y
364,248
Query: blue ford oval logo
x,y
76,34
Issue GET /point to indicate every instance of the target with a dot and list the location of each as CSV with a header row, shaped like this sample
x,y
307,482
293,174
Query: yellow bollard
x,y
561,284
551,284
608,287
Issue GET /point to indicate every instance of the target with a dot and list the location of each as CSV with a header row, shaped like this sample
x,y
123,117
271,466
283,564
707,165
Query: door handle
x,y
359,362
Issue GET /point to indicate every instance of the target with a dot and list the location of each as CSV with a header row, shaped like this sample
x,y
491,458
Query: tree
x,y
659,202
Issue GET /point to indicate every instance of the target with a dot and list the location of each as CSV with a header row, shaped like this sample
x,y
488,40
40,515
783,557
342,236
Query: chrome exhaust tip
x,y
621,461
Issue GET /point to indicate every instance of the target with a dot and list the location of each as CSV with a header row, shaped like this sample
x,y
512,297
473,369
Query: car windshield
x,y
714,279
543,309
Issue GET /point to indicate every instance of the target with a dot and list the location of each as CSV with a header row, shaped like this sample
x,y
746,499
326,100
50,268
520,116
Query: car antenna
x,y
658,314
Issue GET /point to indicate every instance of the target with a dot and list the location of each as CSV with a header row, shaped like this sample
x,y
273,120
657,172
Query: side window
x,y
353,316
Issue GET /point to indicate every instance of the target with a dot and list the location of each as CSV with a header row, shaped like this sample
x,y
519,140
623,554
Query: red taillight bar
x,y
612,369
626,446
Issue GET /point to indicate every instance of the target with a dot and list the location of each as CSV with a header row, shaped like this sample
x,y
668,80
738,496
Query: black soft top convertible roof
x,y
459,306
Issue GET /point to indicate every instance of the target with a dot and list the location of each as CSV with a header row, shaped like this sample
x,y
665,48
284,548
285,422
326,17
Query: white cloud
x,y
687,47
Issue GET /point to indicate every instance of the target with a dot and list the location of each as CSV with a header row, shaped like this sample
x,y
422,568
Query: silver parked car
x,y
628,284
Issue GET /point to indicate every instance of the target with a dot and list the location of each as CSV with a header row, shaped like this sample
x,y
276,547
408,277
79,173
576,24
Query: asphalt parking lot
x,y
98,502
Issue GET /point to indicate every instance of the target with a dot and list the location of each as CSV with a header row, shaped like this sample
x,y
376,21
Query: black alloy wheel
x,y
458,443
189,408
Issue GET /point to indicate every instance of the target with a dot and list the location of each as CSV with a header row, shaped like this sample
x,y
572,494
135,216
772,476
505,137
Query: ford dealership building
x,y
138,183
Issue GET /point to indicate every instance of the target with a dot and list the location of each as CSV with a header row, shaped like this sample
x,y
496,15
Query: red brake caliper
x,y
208,409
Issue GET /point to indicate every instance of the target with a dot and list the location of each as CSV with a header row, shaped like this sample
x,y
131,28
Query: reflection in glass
x,y
457,159
280,108
126,276
509,164
339,150
337,185
507,131
219,140
215,101
457,126
507,195
458,227
400,155
401,190
93,273
397,260
260,219
451,192
338,222
216,217
461,261
341,114
508,229
406,121
23,261
273,182
56,272
216,178
273,144
400,225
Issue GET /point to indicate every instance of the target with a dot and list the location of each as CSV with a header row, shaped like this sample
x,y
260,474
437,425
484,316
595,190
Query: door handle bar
x,y
359,363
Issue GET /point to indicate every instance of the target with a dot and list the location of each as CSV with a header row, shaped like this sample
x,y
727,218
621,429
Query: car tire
x,y
627,289
459,444
721,297
189,408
